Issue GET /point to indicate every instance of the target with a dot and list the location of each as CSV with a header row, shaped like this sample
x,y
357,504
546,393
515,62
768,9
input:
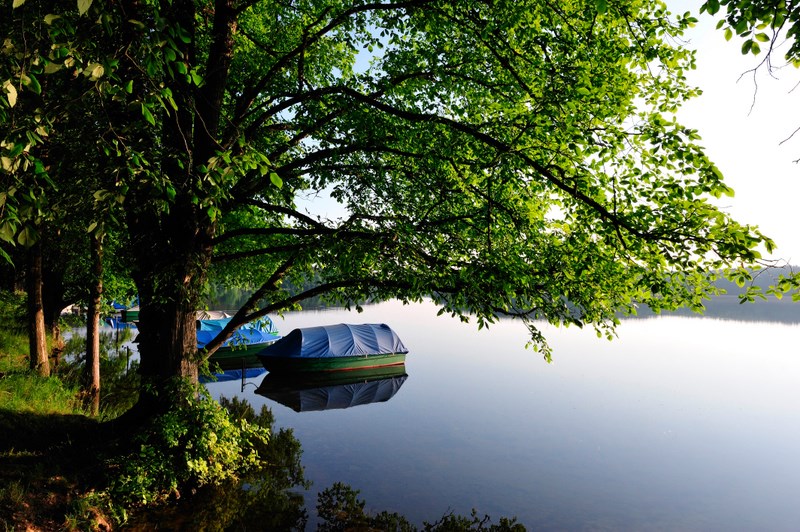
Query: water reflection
x,y
233,375
333,390
679,424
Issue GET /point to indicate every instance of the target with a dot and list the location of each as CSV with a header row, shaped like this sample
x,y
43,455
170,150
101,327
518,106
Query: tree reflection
x,y
273,498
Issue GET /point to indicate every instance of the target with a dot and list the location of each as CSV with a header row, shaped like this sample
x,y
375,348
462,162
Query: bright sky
x,y
745,143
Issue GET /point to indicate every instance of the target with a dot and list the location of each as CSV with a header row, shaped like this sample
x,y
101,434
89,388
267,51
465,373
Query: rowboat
x,y
241,348
339,347
315,391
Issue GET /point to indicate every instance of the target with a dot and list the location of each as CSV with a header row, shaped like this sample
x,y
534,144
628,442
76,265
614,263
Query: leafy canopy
x,y
504,157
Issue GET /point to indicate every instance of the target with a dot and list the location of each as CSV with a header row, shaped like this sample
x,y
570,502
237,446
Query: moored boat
x,y
241,348
339,347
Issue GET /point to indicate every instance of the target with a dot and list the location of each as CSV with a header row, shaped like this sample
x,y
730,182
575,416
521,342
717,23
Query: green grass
x,y
24,392
13,340
46,461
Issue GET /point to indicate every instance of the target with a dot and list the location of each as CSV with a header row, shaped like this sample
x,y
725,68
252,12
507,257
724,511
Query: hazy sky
x,y
745,143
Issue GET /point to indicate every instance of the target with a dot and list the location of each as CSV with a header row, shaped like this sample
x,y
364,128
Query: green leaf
x,y
148,115
95,71
16,149
17,3
728,34
746,46
7,232
51,68
12,93
183,35
83,6
601,6
276,179
27,237
33,84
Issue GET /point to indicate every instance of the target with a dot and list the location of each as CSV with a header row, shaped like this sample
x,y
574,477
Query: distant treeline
x,y
730,306
726,306
761,278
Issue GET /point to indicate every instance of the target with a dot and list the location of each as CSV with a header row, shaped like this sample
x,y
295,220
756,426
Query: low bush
x,y
194,444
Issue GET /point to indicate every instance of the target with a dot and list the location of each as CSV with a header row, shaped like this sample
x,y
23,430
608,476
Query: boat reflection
x,y
241,374
315,391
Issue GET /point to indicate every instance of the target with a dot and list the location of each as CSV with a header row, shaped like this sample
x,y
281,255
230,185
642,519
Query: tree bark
x,y
91,375
53,303
37,340
172,253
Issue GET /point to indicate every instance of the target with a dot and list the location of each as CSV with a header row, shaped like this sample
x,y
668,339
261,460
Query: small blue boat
x,y
242,346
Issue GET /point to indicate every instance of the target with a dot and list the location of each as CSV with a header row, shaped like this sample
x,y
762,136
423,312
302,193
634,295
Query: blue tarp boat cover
x,y
341,340
250,333
217,324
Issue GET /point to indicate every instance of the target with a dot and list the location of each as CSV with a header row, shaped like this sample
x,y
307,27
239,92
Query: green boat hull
x,y
278,381
129,316
329,364
236,358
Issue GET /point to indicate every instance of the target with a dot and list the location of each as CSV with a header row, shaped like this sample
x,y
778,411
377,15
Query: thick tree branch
x,y
242,317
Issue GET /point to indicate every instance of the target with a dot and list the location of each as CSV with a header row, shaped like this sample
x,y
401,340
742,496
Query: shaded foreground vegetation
x,y
202,465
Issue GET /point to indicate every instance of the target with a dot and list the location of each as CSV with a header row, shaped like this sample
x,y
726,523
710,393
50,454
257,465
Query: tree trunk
x,y
39,361
53,302
91,374
172,246
172,252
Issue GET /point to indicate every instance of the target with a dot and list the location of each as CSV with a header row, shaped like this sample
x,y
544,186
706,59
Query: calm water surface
x,y
679,424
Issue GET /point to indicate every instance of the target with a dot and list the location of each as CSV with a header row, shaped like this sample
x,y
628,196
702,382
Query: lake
x,y
682,423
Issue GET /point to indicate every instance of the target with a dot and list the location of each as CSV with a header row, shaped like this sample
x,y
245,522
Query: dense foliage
x,y
340,509
503,158
193,444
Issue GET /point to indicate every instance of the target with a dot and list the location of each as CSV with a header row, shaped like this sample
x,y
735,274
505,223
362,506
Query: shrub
x,y
195,443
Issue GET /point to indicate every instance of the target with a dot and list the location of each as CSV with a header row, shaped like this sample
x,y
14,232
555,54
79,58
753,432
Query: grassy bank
x,y
45,434
63,469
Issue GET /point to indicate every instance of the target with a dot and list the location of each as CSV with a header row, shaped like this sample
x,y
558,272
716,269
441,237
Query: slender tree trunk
x,y
39,361
91,375
53,304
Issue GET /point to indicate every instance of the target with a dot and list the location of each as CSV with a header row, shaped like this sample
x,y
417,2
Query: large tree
x,y
503,157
